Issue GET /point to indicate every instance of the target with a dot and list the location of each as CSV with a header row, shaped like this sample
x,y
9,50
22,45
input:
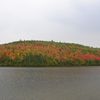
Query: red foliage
x,y
90,57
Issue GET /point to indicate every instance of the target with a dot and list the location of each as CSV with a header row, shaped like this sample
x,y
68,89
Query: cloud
x,y
60,20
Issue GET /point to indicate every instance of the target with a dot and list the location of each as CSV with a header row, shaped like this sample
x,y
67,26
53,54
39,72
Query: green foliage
x,y
47,53
35,60
6,61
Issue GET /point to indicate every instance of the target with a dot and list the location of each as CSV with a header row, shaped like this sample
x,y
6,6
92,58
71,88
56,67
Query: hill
x,y
48,53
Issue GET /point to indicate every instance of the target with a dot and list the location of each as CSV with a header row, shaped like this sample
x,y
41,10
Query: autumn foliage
x,y
43,53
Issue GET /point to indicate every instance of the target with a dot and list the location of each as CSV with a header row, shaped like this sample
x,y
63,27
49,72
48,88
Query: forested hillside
x,y
44,53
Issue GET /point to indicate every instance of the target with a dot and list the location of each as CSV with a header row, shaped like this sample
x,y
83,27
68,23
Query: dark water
x,y
50,83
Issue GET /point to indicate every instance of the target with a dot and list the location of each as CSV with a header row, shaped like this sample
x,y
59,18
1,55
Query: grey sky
x,y
75,21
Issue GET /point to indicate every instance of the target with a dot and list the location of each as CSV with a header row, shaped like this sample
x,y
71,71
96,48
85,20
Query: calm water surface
x,y
50,83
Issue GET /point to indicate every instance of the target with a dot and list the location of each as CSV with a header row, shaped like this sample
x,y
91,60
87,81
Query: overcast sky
x,y
75,21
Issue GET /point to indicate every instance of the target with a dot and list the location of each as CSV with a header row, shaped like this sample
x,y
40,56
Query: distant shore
x,y
48,53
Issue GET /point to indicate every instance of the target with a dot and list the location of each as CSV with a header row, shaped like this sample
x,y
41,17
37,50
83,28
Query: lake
x,y
80,83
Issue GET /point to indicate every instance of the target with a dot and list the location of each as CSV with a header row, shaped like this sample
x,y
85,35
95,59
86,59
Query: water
x,y
50,83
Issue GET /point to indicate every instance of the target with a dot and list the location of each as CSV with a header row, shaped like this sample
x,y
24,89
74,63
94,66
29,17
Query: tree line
x,y
48,53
